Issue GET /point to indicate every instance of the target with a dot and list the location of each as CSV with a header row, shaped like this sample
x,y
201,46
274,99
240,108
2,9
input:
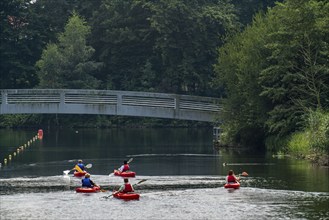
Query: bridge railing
x,y
108,102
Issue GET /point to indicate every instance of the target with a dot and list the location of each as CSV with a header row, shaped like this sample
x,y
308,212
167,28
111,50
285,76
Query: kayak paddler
x,y
79,167
125,167
231,178
87,182
126,187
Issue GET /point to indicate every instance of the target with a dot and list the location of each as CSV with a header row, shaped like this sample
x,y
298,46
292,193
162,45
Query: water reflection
x,y
158,152
185,178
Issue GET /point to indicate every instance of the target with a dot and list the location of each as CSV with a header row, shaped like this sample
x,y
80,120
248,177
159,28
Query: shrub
x,y
319,131
299,144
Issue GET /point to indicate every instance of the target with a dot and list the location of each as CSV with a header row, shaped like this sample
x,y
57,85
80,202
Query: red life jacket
x,y
231,178
128,188
125,168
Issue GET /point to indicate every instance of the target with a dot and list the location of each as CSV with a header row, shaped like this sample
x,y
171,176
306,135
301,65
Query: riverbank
x,y
319,159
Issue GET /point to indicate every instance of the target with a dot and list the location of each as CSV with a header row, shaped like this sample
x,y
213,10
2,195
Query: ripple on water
x,y
161,198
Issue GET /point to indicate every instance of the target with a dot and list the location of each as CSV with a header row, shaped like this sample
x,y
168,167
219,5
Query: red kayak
x,y
87,189
124,174
79,174
232,185
126,196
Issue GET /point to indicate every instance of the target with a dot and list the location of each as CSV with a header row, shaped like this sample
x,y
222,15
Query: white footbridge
x,y
109,102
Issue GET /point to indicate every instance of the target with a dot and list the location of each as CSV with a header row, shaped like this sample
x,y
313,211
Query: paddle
x,y
141,181
244,174
66,172
129,161
100,189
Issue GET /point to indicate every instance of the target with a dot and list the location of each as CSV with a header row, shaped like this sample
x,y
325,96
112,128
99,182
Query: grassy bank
x,y
312,143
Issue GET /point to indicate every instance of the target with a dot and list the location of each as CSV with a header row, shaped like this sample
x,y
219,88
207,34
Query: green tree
x,y
275,71
177,40
240,62
68,64
297,76
121,37
188,34
17,43
247,9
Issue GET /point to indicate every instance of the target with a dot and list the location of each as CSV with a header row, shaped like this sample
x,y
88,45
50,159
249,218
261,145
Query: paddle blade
x,y
107,197
141,181
89,165
131,159
111,174
78,169
66,172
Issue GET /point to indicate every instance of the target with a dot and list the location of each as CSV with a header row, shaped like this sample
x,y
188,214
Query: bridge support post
x,y
216,134
62,101
177,106
4,102
216,137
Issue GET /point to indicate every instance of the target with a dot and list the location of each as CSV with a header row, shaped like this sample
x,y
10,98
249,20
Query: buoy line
x,y
20,149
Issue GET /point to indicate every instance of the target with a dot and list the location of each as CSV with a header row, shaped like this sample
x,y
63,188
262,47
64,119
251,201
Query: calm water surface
x,y
184,177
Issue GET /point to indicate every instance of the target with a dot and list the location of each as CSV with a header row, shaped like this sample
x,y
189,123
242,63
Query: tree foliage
x,y
241,60
248,8
162,46
276,69
17,40
298,75
174,42
68,64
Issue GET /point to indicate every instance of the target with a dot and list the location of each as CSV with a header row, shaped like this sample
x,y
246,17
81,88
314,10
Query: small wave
x,y
248,164
173,155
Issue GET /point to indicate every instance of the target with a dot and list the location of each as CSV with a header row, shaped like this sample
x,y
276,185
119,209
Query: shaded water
x,y
184,174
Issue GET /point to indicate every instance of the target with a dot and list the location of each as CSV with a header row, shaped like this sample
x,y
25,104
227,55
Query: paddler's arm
x,y
121,188
120,168
237,178
92,183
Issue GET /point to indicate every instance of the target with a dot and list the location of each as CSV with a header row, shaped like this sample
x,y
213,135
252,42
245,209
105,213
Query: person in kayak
x,y
231,178
79,167
87,182
126,187
125,167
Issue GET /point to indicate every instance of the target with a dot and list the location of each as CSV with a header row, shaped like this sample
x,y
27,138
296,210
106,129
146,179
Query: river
x,y
184,177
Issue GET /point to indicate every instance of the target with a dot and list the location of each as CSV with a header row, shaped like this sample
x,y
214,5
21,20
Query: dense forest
x,y
165,46
276,79
267,60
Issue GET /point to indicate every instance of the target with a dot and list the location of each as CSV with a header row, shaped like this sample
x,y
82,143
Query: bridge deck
x,y
108,102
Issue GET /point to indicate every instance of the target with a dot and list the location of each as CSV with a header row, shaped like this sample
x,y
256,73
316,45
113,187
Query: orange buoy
x,y
40,133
